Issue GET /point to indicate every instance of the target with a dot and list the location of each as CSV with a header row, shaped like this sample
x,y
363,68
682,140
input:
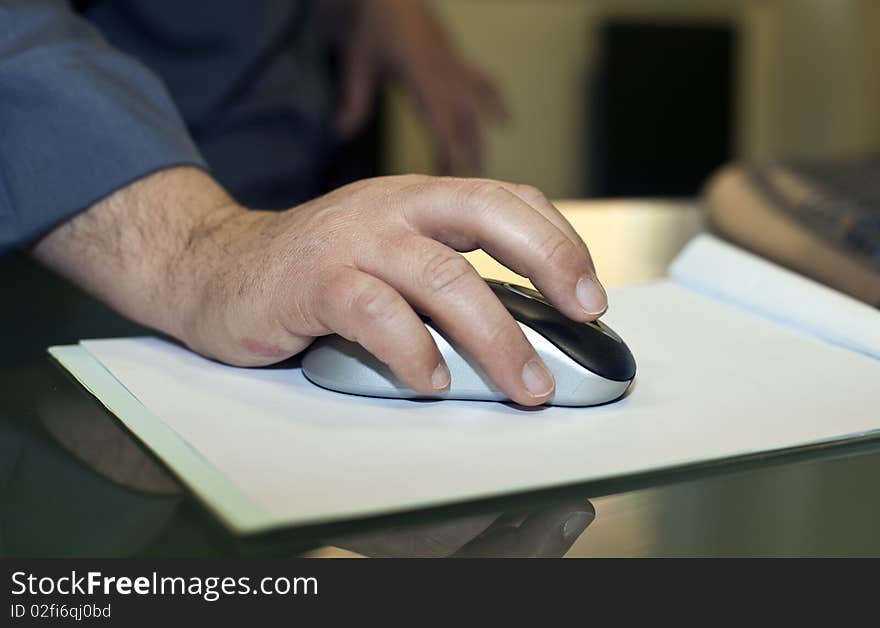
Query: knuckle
x,y
372,303
335,284
305,308
531,194
556,249
445,271
407,179
482,195
329,293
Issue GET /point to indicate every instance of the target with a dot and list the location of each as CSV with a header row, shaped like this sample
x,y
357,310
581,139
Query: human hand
x,y
358,261
404,41
251,288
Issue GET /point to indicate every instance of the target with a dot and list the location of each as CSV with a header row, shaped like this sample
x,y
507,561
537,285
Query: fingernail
x,y
591,295
575,525
440,378
537,378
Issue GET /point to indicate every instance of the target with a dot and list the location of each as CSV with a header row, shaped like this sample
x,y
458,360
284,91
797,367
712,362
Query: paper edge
x,y
206,482
242,515
680,272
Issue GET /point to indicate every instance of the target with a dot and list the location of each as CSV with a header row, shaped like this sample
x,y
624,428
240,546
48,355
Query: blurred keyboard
x,y
839,202
820,219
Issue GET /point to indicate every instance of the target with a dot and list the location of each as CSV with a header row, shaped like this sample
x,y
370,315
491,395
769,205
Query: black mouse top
x,y
594,345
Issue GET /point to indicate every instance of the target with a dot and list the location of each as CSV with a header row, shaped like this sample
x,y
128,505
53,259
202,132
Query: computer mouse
x,y
592,365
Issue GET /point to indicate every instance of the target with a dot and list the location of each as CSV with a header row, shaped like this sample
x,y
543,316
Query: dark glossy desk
x,y
73,482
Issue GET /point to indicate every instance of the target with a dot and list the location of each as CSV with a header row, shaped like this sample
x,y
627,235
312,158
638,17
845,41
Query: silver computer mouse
x,y
591,364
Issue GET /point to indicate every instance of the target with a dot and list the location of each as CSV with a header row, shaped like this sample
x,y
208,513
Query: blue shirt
x,y
91,101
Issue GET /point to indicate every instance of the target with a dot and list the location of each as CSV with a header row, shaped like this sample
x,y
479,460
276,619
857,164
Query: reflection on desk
x,y
53,505
54,502
546,533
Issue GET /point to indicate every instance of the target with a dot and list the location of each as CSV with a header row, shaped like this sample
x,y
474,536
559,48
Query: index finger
x,y
469,214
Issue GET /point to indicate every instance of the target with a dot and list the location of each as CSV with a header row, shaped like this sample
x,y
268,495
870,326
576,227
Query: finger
x,y
441,283
552,531
363,309
548,533
536,199
454,119
489,94
435,539
540,203
442,128
358,89
467,141
468,214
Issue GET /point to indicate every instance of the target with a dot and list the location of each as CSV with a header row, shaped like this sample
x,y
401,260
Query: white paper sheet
x,y
743,279
713,382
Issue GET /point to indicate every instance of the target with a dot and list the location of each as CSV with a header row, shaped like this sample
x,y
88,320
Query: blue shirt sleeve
x,y
78,119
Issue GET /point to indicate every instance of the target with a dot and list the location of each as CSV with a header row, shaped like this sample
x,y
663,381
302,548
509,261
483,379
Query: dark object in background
x,y
663,108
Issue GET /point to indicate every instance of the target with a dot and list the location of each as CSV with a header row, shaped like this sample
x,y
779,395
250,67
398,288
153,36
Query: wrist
x,y
203,279
145,250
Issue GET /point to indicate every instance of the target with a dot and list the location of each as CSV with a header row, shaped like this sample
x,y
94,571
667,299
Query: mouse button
x,y
595,350
522,306
605,329
507,288
592,345
529,293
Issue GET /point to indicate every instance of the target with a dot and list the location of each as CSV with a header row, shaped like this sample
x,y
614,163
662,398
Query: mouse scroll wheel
x,y
605,329
529,293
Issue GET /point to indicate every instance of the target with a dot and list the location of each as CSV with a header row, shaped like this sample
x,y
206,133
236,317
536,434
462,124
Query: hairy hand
x,y
252,288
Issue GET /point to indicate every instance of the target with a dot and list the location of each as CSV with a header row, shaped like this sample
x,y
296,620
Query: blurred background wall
x,y
805,81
